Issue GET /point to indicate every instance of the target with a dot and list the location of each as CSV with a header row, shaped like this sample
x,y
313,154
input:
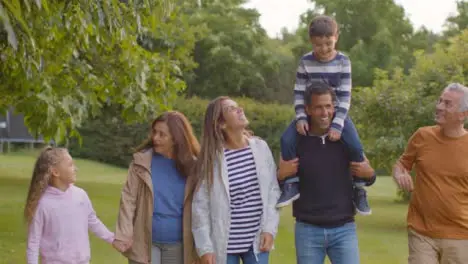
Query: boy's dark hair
x,y
323,26
317,88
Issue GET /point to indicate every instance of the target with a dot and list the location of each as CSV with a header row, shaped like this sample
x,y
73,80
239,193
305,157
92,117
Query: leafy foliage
x,y
458,22
64,60
233,58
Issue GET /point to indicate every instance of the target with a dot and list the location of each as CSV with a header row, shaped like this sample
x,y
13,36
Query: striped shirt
x,y
246,201
336,73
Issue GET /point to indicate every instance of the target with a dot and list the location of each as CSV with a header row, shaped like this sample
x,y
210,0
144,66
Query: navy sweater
x,y
325,185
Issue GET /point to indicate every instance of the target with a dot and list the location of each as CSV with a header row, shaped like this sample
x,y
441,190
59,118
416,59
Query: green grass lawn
x,y
382,236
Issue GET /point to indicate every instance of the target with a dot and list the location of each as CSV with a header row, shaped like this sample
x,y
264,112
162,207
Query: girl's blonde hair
x,y
48,158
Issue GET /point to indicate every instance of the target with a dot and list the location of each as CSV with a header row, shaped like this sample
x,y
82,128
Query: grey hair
x,y
459,88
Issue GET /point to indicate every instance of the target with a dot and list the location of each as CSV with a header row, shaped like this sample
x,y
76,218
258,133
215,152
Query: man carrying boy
x,y
324,212
328,65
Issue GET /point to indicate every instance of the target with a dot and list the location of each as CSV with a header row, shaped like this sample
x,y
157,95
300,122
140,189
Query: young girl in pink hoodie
x,y
59,214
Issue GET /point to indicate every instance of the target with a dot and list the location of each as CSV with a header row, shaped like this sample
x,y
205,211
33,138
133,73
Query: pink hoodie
x,y
59,229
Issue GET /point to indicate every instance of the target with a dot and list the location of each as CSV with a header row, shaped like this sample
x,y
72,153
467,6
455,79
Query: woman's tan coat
x,y
134,221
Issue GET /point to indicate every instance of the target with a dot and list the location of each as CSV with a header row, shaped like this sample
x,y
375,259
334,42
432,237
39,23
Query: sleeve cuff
x,y
203,251
336,129
122,238
267,230
111,238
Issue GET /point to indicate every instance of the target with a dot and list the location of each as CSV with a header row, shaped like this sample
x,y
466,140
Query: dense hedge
x,y
108,139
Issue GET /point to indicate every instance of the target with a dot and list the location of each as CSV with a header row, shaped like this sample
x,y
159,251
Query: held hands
x,y
402,178
302,127
334,135
208,258
122,246
266,242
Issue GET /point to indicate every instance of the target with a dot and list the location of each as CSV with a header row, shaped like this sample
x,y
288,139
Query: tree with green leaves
x,y
390,111
233,58
458,22
62,61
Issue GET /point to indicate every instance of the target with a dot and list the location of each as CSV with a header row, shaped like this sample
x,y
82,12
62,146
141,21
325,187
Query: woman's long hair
x,y
41,177
212,141
186,146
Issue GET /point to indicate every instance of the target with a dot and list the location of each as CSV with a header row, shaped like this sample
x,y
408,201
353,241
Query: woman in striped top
x,y
234,216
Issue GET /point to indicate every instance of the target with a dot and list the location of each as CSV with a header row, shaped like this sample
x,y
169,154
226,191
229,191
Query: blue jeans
x,y
313,243
248,258
349,137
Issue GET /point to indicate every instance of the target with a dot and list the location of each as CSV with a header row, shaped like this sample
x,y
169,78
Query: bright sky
x,y
276,14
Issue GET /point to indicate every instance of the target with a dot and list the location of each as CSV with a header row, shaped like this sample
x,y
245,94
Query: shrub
x,y
109,139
